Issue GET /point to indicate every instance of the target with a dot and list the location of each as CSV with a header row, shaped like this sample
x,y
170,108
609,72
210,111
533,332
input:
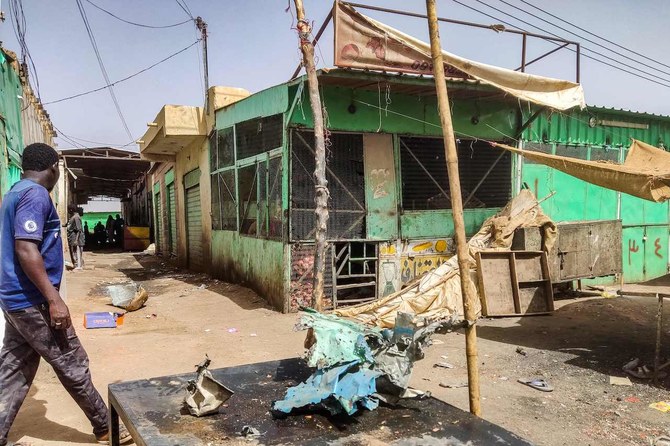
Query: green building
x,y
249,164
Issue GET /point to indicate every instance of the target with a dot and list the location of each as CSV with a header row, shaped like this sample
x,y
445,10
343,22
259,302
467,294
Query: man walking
x,y
76,239
38,322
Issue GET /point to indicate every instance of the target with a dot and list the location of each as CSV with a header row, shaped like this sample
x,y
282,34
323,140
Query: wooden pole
x,y
659,331
322,194
467,287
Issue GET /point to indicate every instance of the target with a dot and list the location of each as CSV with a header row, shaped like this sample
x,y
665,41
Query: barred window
x,y
248,192
256,136
221,148
605,154
486,176
274,197
224,208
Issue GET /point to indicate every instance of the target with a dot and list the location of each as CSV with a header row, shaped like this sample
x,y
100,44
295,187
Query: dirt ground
x,y
188,315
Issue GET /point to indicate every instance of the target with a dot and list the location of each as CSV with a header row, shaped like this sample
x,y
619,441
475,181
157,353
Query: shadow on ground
x,y
154,269
601,334
33,410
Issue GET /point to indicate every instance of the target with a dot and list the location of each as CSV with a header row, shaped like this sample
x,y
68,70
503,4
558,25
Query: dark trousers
x,y
29,336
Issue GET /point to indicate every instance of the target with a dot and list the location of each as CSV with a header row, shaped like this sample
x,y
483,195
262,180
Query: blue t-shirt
x,y
27,213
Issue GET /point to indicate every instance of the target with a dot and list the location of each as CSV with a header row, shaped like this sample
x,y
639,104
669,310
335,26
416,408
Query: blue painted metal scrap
x,y
351,358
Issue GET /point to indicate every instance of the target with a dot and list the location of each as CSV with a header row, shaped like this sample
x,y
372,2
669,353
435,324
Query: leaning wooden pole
x,y
321,184
467,287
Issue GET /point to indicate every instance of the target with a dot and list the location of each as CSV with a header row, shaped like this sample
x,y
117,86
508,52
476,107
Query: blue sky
x,y
253,46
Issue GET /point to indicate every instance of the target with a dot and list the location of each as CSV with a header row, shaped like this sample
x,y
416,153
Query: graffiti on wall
x,y
402,262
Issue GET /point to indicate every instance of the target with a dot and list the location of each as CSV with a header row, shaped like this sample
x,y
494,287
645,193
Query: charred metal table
x,y
152,411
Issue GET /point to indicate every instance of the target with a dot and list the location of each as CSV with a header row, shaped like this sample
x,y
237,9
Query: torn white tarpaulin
x,y
364,43
437,294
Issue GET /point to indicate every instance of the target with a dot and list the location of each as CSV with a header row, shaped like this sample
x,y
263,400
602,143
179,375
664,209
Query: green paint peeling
x,y
440,224
257,263
268,102
405,114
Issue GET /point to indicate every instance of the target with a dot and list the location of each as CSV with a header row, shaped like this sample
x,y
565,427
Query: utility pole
x,y
202,27
467,287
322,194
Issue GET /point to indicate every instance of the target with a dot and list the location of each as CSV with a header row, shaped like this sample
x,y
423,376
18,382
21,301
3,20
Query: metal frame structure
x,y
496,27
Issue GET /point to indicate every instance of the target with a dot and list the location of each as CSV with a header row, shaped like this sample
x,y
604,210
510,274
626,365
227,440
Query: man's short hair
x,y
39,157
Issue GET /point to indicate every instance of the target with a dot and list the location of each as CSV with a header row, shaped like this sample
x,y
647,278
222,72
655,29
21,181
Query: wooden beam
x,y
158,158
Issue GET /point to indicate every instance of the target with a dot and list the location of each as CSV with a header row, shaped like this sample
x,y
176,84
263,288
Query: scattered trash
x,y
129,296
663,406
253,335
634,369
437,342
538,384
103,320
521,351
663,440
203,287
250,432
207,330
632,399
357,366
149,316
453,386
232,330
205,395
620,381
444,365
443,356
338,389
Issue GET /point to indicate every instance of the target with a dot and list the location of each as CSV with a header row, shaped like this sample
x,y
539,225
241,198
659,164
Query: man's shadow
x,y
32,422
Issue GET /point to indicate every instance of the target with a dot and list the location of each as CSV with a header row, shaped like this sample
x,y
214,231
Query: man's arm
x,y
32,264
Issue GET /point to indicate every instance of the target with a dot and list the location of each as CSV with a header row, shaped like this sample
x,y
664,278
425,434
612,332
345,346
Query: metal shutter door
x,y
194,227
172,208
160,242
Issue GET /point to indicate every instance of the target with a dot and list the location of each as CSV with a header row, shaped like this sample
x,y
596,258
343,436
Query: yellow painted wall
x,y
193,157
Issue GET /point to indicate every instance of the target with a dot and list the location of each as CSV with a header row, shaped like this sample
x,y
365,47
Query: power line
x,y
91,38
135,23
20,26
596,35
186,9
585,38
123,79
585,48
570,49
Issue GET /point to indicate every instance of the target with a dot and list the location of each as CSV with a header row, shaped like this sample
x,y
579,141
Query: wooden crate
x,y
514,283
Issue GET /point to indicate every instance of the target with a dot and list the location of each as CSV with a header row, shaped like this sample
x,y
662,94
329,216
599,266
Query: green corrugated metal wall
x,y
645,233
10,130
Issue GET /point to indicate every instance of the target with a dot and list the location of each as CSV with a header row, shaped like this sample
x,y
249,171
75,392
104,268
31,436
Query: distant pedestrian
x,y
38,323
87,233
76,238
109,226
99,233
118,230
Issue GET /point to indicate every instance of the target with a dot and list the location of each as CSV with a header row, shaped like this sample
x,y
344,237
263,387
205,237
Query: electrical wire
x,y
19,25
123,79
569,49
135,23
595,35
584,38
91,37
583,47
186,9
